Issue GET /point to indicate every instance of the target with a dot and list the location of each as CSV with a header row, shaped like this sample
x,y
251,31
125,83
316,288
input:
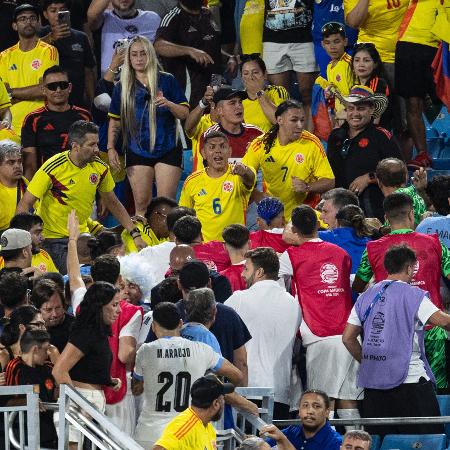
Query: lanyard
x,y
375,300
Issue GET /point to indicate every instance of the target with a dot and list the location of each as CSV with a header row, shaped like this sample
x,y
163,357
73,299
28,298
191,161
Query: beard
x,y
217,416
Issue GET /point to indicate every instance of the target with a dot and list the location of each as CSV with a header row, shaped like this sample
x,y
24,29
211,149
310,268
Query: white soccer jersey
x,y
169,366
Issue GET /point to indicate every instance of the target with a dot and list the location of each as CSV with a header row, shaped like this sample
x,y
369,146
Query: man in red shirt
x,y
271,224
321,277
230,121
236,239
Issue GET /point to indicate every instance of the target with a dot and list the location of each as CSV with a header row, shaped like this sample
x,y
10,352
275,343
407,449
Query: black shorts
x,y
173,157
413,74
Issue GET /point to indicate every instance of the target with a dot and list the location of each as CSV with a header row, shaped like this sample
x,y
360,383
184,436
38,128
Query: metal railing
x,y
75,410
28,413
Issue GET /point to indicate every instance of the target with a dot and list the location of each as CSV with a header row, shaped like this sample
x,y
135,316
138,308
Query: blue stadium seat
x,y
376,442
413,441
444,406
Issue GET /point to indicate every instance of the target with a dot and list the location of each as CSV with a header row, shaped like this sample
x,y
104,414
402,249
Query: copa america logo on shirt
x,y
329,273
227,186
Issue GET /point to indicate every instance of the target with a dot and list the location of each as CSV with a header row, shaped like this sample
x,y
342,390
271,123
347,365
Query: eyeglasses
x,y
23,19
333,28
161,214
63,85
345,148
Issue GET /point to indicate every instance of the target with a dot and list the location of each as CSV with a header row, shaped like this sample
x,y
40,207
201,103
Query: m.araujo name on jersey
x,y
173,353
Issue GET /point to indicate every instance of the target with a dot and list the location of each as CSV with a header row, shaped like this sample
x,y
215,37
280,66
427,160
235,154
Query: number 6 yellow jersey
x,y
218,202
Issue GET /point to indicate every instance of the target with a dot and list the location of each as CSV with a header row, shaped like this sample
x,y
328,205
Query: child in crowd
x,y
32,367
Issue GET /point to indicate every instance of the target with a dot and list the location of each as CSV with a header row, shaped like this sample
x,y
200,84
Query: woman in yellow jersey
x,y
251,27
263,99
294,165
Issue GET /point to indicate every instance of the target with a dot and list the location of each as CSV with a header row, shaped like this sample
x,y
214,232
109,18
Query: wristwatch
x,y
134,233
260,93
372,176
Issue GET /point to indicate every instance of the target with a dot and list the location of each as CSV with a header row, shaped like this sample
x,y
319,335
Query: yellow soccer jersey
x,y
202,126
305,159
43,261
21,69
251,27
187,432
340,74
418,22
253,113
147,235
9,197
7,133
381,25
218,202
61,186
5,101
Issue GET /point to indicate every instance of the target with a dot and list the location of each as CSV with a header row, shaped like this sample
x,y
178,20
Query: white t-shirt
x,y
158,256
416,366
168,367
273,317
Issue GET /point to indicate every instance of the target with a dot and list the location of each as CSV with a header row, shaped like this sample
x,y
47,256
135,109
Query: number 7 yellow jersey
x,y
304,158
218,202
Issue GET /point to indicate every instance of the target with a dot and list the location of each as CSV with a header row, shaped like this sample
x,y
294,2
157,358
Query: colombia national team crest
x,y
93,178
227,186
299,158
36,63
329,273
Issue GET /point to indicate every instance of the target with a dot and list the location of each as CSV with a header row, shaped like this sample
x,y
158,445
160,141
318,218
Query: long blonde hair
x,y
127,101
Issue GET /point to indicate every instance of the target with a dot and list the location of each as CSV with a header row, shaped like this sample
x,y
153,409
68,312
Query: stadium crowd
x,y
306,250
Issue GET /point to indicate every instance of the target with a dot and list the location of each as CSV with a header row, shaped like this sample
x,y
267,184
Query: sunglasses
x,y
333,28
345,148
362,45
57,84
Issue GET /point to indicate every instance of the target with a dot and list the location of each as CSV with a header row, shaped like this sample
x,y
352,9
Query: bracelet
x,y
134,233
202,104
112,71
308,187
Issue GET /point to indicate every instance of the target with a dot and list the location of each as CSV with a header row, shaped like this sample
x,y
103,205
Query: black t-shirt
x,y
18,374
366,150
48,130
75,54
59,335
288,21
94,367
198,31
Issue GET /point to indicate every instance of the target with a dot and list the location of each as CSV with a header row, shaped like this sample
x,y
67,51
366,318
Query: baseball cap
x,y
15,239
206,389
24,7
194,275
226,93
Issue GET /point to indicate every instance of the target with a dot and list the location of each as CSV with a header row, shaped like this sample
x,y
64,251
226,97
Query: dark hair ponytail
x,y
353,216
22,315
269,137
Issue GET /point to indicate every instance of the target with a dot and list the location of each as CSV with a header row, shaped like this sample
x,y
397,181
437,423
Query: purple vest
x,y
388,334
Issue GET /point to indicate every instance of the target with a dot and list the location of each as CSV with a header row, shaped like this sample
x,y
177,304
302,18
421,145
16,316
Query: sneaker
x,y
421,160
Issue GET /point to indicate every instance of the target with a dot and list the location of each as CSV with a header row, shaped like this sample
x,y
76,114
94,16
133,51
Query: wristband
x,y
202,104
134,233
112,71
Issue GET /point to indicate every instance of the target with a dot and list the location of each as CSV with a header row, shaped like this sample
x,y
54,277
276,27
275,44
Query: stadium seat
x,y
444,406
376,442
413,441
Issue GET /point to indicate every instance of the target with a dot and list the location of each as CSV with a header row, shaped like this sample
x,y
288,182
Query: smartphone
x,y
64,18
120,44
216,81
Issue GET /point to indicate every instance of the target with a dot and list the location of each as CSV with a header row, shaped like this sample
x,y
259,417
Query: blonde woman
x,y
144,106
